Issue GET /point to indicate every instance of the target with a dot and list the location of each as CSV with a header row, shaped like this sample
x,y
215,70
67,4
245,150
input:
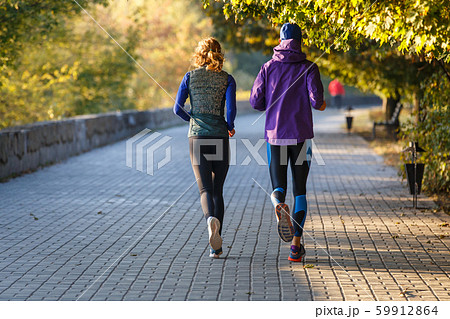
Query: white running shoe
x,y
215,241
215,253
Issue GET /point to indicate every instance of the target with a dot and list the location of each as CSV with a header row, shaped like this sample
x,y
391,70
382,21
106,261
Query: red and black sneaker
x,y
297,253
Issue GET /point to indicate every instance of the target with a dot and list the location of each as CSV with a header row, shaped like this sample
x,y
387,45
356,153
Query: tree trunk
x,y
389,104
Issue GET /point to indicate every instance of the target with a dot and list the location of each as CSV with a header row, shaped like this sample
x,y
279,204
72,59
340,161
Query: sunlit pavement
x,y
88,229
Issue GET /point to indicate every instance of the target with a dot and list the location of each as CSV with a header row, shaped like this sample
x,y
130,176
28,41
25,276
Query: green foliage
x,y
243,35
76,70
412,26
24,21
433,134
376,70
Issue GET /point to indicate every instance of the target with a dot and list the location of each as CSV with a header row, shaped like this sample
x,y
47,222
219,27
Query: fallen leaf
x,y
404,292
99,213
134,255
444,225
394,236
442,236
308,266
229,246
35,218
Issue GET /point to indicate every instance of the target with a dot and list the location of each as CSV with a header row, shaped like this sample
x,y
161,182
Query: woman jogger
x,y
209,88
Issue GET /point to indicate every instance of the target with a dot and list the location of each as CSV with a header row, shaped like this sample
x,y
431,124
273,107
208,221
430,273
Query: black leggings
x,y
210,162
299,157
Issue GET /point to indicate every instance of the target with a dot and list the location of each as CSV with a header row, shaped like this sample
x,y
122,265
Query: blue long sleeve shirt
x,y
183,93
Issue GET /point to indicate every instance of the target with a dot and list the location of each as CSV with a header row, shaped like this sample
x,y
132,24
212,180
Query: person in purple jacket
x,y
286,88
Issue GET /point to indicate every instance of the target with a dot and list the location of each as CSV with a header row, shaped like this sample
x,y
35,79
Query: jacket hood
x,y
288,51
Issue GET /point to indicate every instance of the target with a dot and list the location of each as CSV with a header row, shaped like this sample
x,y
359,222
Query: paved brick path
x,y
66,230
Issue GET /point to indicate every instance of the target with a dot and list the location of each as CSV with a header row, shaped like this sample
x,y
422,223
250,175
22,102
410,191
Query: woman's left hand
x,y
231,133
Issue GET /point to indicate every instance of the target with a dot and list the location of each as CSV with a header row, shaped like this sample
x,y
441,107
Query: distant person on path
x,y
208,87
286,88
337,91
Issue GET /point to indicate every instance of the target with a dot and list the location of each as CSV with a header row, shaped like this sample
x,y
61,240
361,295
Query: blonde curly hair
x,y
209,53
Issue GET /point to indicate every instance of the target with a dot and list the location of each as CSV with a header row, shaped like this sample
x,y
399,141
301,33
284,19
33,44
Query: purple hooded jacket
x,y
286,88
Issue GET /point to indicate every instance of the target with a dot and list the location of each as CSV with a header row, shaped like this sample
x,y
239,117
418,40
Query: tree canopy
x,y
420,27
368,64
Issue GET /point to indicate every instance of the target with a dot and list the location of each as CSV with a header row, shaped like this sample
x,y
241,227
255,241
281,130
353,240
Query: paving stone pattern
x,y
90,228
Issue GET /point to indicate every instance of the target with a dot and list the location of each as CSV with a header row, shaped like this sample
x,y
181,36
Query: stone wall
x,y
25,148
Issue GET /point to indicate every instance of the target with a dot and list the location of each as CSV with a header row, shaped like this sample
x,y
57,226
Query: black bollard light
x,y
414,171
349,117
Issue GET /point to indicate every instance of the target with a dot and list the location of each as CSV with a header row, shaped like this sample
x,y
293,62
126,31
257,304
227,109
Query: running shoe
x,y
284,225
297,253
215,253
215,241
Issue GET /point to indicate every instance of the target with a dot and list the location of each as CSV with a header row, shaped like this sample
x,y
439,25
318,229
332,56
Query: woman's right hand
x,y
324,106
231,133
